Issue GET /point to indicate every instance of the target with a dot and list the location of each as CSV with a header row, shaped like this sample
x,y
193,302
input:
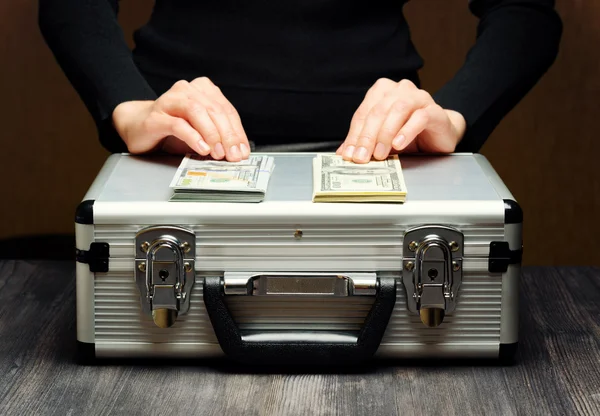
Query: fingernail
x,y
381,151
398,142
204,147
361,154
349,152
219,151
245,150
235,152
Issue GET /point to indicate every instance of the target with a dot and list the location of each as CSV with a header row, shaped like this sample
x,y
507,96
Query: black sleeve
x,y
517,41
89,45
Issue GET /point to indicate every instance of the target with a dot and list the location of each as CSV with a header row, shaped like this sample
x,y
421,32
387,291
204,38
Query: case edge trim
x,y
501,256
84,214
513,213
86,353
508,352
97,257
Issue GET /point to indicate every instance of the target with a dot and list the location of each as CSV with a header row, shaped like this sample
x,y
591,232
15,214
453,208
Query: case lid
x,y
457,189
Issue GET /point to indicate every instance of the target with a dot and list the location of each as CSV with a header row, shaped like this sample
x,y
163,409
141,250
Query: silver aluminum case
x,y
459,190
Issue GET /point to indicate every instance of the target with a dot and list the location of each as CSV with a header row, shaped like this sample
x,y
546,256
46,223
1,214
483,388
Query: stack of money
x,y
337,180
199,178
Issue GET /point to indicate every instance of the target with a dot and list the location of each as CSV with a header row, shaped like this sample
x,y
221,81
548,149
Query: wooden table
x,y
557,372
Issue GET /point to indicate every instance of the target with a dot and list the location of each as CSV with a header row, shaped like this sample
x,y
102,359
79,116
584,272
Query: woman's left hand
x,y
399,117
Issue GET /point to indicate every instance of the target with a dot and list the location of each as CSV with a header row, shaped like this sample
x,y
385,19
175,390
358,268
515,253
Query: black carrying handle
x,y
299,348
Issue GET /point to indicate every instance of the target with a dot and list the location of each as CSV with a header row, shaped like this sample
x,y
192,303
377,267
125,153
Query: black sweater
x,y
296,70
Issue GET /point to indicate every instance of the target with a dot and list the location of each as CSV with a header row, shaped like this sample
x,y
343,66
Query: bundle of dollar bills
x,y
338,180
200,178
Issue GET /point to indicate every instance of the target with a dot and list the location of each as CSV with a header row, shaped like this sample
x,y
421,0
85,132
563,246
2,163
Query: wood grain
x,y
558,368
546,149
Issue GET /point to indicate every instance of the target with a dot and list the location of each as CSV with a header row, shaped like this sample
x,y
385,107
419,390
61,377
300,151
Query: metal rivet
x,y
298,234
409,265
455,266
453,246
142,267
412,246
186,247
144,246
188,267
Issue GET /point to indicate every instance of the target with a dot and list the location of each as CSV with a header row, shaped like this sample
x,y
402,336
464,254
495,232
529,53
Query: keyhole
x,y
432,273
163,274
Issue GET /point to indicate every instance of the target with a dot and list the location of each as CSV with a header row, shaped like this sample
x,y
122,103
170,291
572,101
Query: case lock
x,y
432,271
164,271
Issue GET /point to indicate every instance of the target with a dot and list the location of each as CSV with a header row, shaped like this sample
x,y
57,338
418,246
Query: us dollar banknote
x,y
200,178
338,180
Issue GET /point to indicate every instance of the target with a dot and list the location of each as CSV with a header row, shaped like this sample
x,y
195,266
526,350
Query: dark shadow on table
x,y
39,247
225,366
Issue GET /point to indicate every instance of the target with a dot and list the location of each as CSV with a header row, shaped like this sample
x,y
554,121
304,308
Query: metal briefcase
x,y
291,281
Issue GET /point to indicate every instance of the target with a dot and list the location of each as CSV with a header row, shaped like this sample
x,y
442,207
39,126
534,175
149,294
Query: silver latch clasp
x,y
165,272
432,271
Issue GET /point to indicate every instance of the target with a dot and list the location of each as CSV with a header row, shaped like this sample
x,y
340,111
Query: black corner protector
x,y
96,257
508,352
86,353
85,212
501,256
513,213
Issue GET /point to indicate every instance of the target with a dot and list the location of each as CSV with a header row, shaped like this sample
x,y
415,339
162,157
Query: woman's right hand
x,y
190,117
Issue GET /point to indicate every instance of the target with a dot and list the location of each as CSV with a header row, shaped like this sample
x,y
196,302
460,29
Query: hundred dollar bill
x,y
337,180
200,178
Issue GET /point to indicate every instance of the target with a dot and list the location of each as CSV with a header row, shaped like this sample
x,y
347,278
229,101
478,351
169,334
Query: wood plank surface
x,y
557,372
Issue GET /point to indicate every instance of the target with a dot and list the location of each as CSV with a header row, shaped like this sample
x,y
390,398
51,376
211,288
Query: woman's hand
x,y
190,117
398,117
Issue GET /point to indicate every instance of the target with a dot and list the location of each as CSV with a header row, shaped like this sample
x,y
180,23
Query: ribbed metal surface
x,y
119,318
476,318
354,247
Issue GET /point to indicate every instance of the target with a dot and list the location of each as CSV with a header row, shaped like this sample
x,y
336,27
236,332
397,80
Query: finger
x,y
382,124
234,119
225,135
414,126
194,107
186,133
174,146
203,83
437,136
236,123
399,113
214,93
410,99
229,138
373,95
194,111
238,139
166,125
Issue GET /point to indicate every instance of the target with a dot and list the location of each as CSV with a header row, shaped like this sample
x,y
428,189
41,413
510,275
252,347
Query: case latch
x,y
432,271
164,270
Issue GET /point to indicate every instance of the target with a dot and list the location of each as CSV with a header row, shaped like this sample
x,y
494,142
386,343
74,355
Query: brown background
x,y
546,150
